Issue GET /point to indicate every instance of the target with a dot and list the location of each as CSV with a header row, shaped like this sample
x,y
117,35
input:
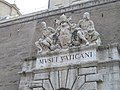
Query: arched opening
x,y
63,89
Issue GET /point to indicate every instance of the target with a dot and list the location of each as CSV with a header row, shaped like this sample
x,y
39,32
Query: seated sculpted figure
x,y
87,31
47,38
93,37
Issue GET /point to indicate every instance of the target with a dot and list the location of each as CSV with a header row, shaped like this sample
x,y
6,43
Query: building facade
x,y
17,49
8,9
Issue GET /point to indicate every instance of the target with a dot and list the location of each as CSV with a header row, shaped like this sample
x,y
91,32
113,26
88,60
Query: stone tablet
x,y
67,59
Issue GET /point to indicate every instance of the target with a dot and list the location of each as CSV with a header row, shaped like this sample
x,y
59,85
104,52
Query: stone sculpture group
x,y
68,34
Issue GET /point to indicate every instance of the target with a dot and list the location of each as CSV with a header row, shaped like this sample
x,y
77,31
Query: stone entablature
x,y
46,13
77,76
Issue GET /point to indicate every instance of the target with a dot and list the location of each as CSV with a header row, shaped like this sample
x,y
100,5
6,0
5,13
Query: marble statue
x,y
87,31
47,38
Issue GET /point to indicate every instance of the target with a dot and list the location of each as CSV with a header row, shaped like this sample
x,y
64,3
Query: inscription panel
x,y
66,59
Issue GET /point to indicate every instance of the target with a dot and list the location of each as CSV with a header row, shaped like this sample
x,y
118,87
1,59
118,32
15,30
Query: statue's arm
x,y
92,27
38,46
51,29
79,23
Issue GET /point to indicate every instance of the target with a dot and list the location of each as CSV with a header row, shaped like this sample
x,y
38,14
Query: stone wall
x,y
17,36
14,47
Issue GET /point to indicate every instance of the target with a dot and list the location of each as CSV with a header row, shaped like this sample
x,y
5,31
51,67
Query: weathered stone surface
x,y
47,85
80,80
94,78
53,4
35,84
89,86
108,67
74,76
54,79
86,71
63,78
66,58
16,46
38,89
70,81
111,76
41,76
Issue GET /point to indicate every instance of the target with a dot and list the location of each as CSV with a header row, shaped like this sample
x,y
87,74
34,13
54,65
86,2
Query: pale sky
x,y
29,6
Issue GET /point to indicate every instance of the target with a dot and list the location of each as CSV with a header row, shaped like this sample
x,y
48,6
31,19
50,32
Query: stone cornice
x,y
83,65
46,13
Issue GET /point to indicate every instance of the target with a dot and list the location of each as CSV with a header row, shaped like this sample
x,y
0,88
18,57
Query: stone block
x,y
63,78
54,79
86,71
94,78
38,89
116,67
89,86
79,83
48,85
41,76
35,84
70,81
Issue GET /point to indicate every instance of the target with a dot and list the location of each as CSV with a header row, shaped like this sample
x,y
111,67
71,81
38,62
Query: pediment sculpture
x,y
68,34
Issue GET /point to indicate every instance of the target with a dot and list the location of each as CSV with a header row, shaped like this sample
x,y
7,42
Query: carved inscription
x,y
66,59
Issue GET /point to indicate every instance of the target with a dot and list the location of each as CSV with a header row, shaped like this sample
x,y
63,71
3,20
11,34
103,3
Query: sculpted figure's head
x,y
63,20
86,15
43,24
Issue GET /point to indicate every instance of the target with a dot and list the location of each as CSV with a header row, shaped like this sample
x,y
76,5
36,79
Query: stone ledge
x,y
86,71
68,50
104,47
83,65
41,76
94,78
108,61
35,84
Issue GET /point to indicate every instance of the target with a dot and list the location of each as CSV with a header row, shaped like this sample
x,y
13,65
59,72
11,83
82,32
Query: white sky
x,y
29,6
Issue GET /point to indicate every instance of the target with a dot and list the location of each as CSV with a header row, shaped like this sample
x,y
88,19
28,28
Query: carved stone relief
x,y
68,34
